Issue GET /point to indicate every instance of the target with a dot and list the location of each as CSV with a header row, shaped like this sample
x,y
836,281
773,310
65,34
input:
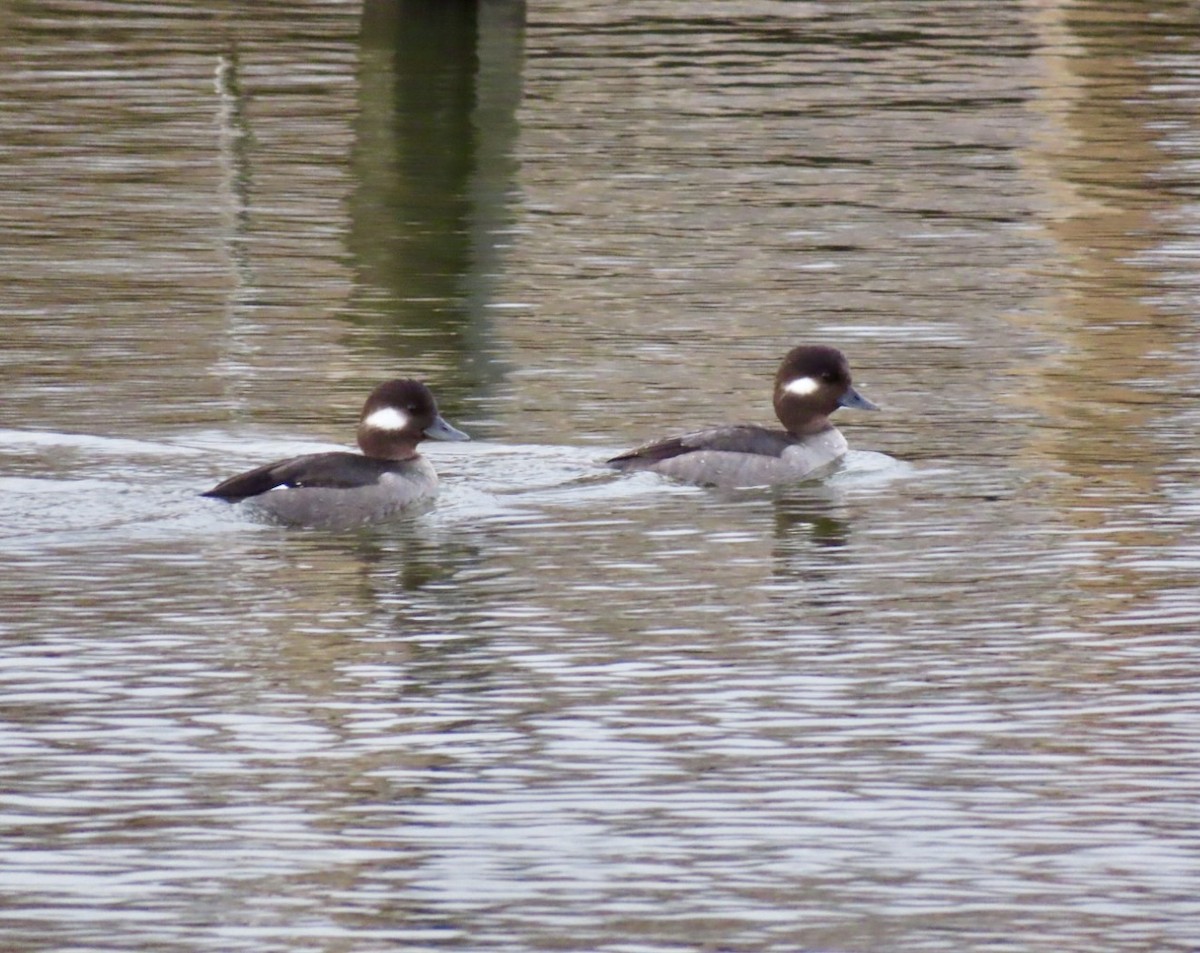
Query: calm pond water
x,y
946,700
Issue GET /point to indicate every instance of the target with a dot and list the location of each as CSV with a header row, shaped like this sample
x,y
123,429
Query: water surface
x,y
942,701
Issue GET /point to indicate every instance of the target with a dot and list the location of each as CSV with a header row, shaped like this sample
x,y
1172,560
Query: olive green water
x,y
944,701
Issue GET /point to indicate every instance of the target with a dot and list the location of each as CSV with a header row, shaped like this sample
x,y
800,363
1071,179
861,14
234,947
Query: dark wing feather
x,y
737,439
330,470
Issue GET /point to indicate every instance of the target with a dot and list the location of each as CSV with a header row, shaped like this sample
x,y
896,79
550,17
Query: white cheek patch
x,y
387,418
802,386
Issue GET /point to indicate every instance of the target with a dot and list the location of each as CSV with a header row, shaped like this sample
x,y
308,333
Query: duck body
x,y
340,488
812,382
737,456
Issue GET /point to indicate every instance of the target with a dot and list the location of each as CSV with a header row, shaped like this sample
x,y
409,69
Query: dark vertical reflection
x,y
433,162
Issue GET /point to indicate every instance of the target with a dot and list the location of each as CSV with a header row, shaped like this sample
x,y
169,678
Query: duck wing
x,y
736,439
338,470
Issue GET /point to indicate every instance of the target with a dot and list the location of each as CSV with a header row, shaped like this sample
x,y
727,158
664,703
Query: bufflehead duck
x,y
346,489
812,382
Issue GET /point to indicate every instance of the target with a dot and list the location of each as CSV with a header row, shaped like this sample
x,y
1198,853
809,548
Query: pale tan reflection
x,y
175,207
1094,159
279,141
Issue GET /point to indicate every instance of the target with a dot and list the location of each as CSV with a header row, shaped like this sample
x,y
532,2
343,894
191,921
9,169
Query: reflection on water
x,y
433,165
944,700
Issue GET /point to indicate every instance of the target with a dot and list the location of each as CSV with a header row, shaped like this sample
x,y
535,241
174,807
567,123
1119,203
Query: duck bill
x,y
854,399
440,430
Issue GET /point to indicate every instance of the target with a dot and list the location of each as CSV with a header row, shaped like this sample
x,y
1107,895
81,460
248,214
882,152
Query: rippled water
x,y
942,701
